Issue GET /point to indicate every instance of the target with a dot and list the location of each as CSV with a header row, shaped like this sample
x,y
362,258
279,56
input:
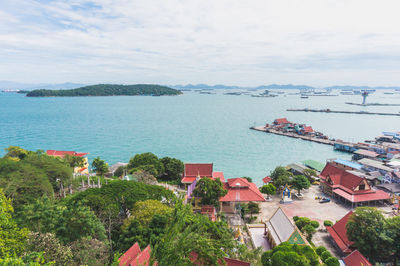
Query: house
x,y
135,257
355,258
281,229
193,171
239,190
77,170
361,153
349,187
281,121
338,233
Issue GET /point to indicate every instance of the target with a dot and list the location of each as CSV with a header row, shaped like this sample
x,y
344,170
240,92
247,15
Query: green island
x,y
108,90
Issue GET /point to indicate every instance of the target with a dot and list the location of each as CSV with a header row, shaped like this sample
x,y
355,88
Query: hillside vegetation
x,y
108,90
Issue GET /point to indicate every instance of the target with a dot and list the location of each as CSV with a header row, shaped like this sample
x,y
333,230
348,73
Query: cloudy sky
x,y
252,42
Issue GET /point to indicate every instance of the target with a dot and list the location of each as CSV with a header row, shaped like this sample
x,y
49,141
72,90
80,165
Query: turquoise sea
x,y
192,127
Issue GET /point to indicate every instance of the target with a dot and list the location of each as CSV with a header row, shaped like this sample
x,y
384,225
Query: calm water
x,y
192,127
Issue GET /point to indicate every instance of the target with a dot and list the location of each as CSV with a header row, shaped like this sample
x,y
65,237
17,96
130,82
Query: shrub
x,y
315,224
295,218
325,255
332,261
328,223
320,249
302,221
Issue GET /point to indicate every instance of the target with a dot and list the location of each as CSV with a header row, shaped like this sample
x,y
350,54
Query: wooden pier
x,y
294,135
341,112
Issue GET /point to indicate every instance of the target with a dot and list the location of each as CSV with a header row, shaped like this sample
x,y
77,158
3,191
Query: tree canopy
x,y
300,182
107,90
209,191
99,166
281,176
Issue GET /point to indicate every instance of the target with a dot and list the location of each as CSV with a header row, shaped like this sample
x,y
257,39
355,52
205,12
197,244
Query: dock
x,y
341,112
294,135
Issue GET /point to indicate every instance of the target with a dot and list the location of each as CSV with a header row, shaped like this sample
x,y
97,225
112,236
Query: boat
x,y
304,97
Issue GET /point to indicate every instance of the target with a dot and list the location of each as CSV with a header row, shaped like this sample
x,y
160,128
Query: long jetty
x,y
293,135
341,112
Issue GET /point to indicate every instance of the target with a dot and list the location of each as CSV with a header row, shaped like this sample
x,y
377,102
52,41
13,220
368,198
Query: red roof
x,y
266,179
308,129
219,175
281,121
239,189
135,257
82,169
339,233
198,169
356,259
63,153
210,211
340,177
228,261
369,195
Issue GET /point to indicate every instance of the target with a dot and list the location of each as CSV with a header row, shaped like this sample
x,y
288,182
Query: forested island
x,y
108,90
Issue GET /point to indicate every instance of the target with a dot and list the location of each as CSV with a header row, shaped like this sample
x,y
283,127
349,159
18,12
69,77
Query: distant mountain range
x,y
10,85
66,86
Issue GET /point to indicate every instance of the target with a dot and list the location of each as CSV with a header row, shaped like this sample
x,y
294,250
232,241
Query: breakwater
x,y
341,112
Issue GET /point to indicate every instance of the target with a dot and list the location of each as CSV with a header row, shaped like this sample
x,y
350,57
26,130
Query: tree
x,y
144,211
145,177
120,171
248,178
325,255
99,166
51,246
300,182
12,238
393,229
210,191
366,227
89,251
320,249
332,261
281,176
147,159
74,161
309,230
253,207
286,254
173,169
310,174
268,189
16,153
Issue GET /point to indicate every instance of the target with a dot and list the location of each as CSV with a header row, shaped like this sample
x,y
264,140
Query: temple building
x,y
77,170
339,181
198,170
338,232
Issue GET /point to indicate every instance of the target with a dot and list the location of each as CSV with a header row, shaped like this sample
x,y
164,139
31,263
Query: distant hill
x,y
108,90
11,85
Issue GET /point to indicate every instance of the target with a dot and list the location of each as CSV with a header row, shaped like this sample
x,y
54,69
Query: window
x,y
361,187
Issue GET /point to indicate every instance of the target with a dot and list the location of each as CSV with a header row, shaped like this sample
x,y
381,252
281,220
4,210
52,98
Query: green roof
x,y
314,165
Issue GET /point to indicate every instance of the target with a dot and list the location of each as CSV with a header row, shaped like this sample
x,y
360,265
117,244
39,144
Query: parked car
x,y
324,200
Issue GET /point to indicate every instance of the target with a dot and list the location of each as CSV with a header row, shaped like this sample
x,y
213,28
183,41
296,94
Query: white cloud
x,y
319,42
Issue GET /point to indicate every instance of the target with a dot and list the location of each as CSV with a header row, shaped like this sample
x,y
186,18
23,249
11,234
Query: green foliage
x,y
248,178
74,161
325,255
144,211
209,191
281,176
332,261
296,218
253,207
367,228
310,174
16,153
89,251
288,255
189,233
12,238
148,162
144,177
300,182
107,90
32,259
99,166
68,222
302,221
173,169
120,171
393,230
320,249
269,189
328,223
315,224
53,250
309,230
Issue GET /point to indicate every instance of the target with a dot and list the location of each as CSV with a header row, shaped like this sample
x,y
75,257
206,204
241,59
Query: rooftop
x,y
348,164
356,259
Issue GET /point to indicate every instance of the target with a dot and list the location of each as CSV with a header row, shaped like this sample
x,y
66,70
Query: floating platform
x,y
374,104
294,135
342,112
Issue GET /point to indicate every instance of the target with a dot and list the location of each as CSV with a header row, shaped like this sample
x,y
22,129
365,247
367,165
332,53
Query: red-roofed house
x,y
307,130
266,180
339,234
61,154
349,187
239,190
356,259
281,121
198,170
135,257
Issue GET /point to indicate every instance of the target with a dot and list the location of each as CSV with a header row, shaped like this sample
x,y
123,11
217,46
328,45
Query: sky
x,y
247,43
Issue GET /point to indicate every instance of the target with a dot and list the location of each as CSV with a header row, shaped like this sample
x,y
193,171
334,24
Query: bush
x,y
295,218
320,249
325,255
332,261
302,221
315,224
328,223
